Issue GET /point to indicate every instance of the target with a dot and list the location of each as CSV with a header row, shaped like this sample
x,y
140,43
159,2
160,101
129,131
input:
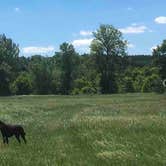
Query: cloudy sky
x,y
40,26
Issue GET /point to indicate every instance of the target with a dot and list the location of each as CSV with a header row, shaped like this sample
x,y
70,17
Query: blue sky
x,y
40,26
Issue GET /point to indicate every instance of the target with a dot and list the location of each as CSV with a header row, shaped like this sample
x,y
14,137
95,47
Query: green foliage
x,y
144,79
108,41
159,86
56,82
68,64
139,60
88,79
22,85
9,52
105,70
41,74
108,44
88,90
159,58
5,77
153,83
86,86
126,86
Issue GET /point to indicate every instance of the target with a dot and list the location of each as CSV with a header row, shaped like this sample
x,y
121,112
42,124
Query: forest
x,y
107,69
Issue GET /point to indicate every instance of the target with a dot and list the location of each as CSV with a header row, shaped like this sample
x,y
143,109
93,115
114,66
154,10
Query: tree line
x,y
106,69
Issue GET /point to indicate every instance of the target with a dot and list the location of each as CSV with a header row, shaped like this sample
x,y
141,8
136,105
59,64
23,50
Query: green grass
x,y
127,130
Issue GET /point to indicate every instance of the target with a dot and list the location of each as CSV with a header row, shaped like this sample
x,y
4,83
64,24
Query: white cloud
x,y
84,49
130,45
37,50
133,29
82,45
85,33
153,48
160,20
82,42
17,9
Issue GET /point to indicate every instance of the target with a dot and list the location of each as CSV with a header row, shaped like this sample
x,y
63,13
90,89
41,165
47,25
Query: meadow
x,y
122,129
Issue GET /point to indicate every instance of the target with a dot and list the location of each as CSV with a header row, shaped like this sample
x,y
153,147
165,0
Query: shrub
x,y
88,90
126,85
22,85
83,86
153,83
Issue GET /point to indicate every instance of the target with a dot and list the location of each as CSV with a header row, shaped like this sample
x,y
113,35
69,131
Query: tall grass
x,y
127,130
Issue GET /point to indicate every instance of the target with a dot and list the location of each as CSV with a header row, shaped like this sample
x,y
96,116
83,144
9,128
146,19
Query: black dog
x,y
10,130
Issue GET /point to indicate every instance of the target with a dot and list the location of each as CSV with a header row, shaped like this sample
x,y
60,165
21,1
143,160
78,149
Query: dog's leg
x,y
23,137
18,138
7,141
4,140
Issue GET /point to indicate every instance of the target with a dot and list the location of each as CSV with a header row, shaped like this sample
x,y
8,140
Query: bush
x,y
83,86
153,83
88,90
22,85
126,85
159,88
76,91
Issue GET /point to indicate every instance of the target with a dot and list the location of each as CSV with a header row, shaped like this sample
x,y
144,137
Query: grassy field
x,y
127,130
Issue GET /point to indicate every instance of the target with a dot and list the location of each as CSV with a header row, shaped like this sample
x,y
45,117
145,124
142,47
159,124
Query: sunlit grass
x,y
86,130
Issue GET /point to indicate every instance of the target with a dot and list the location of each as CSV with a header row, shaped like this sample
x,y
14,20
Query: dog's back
x,y
19,128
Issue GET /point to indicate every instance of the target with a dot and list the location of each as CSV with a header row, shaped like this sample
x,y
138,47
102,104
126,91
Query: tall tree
x,y
106,46
67,62
41,73
159,58
9,52
5,78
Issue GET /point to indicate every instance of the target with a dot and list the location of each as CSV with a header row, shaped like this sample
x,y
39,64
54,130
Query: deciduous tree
x,y
106,46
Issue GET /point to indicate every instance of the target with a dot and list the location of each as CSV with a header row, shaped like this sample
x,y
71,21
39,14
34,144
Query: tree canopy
x,y
106,46
159,58
106,69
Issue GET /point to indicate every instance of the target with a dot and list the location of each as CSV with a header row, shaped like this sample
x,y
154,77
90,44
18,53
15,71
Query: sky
x,y
40,26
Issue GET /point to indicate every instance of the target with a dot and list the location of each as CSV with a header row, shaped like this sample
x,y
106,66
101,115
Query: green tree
x,y
86,85
126,85
153,83
9,52
159,58
67,59
5,78
22,85
41,72
23,63
56,81
107,45
88,79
